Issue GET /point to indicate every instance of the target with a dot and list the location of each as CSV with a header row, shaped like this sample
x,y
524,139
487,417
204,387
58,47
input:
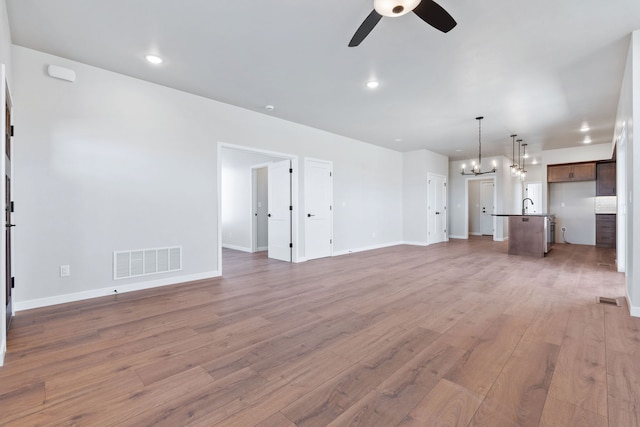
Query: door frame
x,y
295,255
306,191
466,201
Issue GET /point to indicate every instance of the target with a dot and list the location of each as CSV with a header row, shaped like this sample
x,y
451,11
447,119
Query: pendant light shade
x,y
394,7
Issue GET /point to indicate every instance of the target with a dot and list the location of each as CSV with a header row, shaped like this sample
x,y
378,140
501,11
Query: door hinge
x,y
13,282
11,130
11,206
290,207
290,170
330,173
330,207
290,245
331,241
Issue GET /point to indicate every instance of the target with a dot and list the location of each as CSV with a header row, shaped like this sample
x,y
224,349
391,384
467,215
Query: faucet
x,y
524,202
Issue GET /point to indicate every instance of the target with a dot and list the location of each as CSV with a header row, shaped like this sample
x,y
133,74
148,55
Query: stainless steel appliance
x,y
550,232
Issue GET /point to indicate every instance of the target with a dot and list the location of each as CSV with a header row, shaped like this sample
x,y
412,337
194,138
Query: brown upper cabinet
x,y
570,172
606,179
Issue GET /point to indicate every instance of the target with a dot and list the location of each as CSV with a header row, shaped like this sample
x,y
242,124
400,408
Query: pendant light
x,y
477,167
523,174
514,167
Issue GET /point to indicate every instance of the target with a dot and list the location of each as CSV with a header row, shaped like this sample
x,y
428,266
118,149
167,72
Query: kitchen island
x,y
530,235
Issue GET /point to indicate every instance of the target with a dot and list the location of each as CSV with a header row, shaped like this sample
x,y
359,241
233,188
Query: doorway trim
x,y
466,202
295,254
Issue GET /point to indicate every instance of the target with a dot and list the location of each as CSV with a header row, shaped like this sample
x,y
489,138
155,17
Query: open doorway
x,y
238,167
480,197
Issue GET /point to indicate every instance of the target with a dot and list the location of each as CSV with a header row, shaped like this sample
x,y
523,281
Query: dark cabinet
x,y
606,231
606,179
571,172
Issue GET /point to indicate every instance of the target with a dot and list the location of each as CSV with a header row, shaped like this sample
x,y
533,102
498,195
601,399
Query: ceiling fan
x,y
428,10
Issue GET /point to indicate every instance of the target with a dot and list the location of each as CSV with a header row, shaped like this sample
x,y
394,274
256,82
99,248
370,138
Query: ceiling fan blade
x,y
434,15
365,28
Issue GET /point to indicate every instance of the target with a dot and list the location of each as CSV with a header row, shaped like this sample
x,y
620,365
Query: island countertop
x,y
536,214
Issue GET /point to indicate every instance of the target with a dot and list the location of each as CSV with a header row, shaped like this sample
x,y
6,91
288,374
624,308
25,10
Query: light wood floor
x,y
452,334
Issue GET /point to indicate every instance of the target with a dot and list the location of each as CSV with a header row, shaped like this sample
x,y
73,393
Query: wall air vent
x,y
142,262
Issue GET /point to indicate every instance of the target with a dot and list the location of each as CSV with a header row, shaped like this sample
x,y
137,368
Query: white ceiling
x,y
535,68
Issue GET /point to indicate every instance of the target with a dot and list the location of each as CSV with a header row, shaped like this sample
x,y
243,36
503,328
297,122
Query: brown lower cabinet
x,y
606,230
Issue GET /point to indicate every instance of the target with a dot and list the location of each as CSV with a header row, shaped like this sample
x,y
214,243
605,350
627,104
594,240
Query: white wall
x,y
475,210
573,204
416,166
5,40
114,163
237,206
104,164
628,145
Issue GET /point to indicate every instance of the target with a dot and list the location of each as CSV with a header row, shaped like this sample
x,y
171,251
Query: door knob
x,y
310,215
10,225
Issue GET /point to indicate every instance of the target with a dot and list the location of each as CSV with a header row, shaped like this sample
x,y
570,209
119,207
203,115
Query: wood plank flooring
x,y
455,334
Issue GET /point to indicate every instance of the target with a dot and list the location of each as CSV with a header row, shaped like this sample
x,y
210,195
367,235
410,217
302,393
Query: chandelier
x,y
476,168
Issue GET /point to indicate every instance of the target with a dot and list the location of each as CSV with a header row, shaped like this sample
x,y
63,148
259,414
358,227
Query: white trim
x,y
262,248
237,248
366,248
415,243
459,237
634,311
491,177
120,289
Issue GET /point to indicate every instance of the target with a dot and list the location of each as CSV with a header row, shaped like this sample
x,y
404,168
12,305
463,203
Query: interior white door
x,y
486,200
533,190
280,210
318,201
436,209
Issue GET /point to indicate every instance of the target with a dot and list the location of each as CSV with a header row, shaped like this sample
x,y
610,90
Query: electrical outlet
x,y
65,271
564,228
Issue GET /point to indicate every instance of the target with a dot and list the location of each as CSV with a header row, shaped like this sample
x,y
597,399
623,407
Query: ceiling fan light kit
x,y
427,10
394,7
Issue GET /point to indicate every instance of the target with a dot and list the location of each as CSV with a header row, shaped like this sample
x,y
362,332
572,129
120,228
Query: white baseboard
x,y
94,293
3,351
475,234
458,237
262,248
633,310
237,248
366,248
415,243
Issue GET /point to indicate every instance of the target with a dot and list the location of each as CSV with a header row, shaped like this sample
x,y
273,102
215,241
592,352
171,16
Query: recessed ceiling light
x,y
372,84
459,150
153,59
587,140
585,127
398,139
269,107
534,162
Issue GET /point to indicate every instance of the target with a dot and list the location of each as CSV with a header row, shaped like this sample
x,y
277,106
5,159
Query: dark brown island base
x,y
530,235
